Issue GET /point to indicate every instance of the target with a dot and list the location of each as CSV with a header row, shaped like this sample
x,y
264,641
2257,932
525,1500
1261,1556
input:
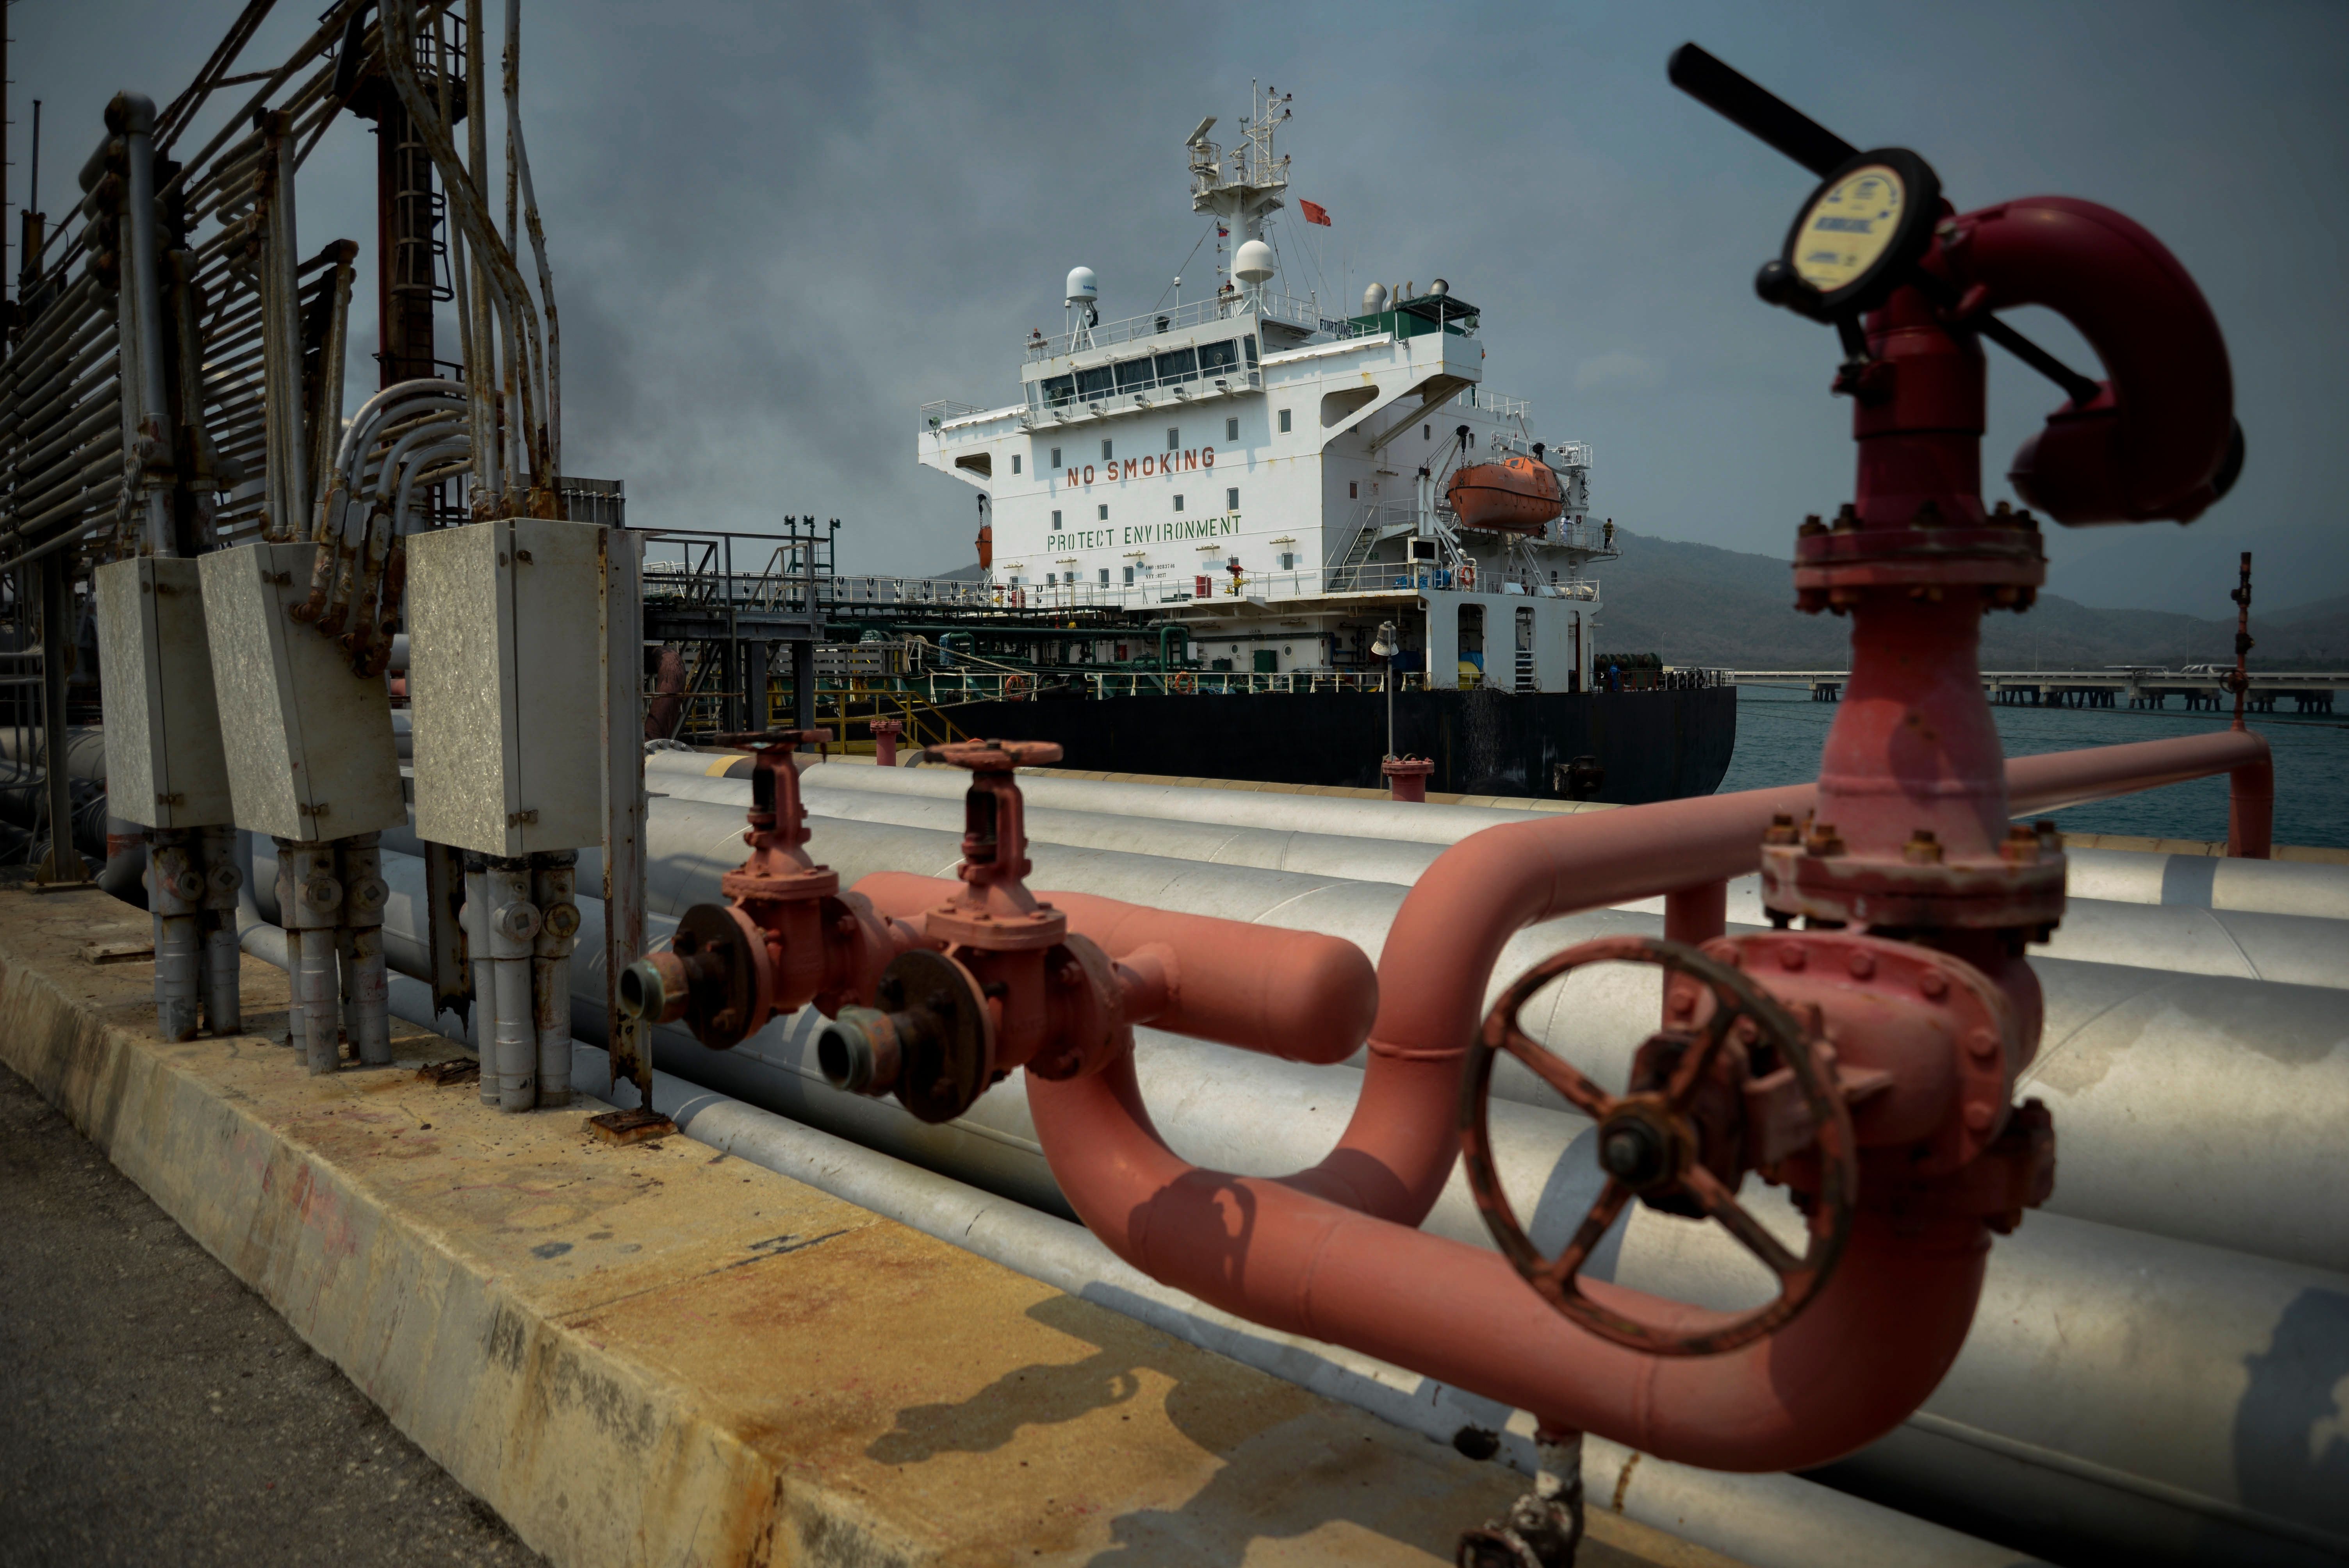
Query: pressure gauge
x,y
1856,235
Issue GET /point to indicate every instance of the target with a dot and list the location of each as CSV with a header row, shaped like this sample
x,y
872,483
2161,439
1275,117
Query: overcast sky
x,y
778,229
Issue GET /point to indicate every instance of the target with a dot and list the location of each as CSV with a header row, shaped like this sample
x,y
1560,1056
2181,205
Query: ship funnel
x,y
1253,262
1374,299
1083,289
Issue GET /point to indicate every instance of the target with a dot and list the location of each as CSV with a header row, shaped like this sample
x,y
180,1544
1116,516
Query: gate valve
x,y
1663,1142
1013,985
786,937
1854,1069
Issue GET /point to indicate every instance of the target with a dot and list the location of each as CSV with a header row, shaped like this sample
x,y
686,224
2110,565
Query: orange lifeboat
x,y
1515,495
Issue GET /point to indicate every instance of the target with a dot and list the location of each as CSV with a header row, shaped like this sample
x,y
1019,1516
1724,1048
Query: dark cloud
x,y
778,229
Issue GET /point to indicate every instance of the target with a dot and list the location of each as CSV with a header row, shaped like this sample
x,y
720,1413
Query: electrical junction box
x,y
504,684
309,744
164,766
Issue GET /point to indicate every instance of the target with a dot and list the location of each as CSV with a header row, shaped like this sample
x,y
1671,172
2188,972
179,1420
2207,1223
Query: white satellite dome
x,y
1253,262
1083,288
1374,299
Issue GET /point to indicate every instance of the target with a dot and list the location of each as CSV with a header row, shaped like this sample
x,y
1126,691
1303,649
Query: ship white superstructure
x,y
1270,475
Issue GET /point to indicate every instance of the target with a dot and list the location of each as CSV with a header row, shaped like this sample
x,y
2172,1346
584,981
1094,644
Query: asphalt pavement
x,y
157,1411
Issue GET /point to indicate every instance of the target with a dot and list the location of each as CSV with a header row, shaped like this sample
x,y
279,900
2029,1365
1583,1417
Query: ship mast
x,y
1244,192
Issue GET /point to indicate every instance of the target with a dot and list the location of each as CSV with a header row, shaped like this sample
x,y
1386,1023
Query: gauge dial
x,y
1861,227
1848,227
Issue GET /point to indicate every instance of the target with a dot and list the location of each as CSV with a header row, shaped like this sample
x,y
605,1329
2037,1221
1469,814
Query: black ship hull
x,y
1650,745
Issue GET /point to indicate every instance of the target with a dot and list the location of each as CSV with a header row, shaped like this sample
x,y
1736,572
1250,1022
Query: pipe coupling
x,y
365,896
860,1051
321,895
516,921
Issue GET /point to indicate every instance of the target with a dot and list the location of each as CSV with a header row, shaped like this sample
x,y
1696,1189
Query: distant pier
x,y
2306,692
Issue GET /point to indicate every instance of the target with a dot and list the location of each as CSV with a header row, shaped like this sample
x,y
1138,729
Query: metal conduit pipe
x,y
2109,1383
484,974
513,925
1769,1521
223,998
315,900
359,434
175,892
553,889
363,895
2132,1058
133,116
2182,939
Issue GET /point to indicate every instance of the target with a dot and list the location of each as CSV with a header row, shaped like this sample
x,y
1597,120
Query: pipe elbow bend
x,y
2161,441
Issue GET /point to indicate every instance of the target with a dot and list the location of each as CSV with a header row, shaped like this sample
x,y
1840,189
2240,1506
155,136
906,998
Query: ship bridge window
x,y
1056,457
1173,437
1250,343
1231,429
1015,462
1059,391
1099,381
1133,375
1106,450
1218,359
1284,426
1182,364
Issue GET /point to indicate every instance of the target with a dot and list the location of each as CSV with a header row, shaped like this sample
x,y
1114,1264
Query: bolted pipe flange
x,y
930,1042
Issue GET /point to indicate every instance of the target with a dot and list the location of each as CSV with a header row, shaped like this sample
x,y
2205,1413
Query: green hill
x,y
1697,604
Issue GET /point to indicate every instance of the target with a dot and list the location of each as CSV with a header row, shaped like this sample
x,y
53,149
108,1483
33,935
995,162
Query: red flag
x,y
1315,213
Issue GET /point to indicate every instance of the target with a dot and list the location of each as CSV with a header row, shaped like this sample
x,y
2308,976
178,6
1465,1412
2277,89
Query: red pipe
x,y
2251,809
2154,443
1297,994
2061,778
1407,778
1826,1384
1696,914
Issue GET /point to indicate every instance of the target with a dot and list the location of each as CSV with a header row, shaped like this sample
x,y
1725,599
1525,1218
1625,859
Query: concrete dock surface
x,y
646,1355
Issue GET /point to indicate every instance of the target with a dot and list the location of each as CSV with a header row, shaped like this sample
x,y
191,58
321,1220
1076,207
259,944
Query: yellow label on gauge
x,y
1847,227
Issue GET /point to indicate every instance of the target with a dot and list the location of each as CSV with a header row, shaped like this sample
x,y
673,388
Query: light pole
x,y
1384,647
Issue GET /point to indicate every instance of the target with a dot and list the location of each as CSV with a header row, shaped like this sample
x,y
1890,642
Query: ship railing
x,y
942,412
1305,313
1490,402
943,690
1217,585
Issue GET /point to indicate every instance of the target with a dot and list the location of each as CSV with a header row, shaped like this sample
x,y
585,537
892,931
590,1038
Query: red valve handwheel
x,y
1649,1144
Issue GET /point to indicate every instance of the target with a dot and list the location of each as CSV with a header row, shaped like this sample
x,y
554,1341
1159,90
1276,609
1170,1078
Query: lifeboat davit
x,y
1515,495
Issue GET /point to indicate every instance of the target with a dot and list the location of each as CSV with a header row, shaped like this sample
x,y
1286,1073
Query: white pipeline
x,y
2179,937
2256,887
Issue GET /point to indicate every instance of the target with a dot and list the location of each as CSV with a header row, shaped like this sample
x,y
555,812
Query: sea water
x,y
1780,732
